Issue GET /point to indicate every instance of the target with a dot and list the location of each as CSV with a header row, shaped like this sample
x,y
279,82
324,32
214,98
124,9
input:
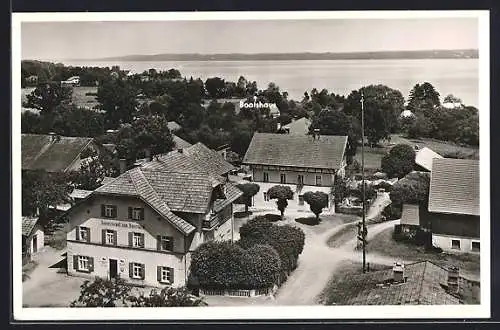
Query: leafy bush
x,y
399,162
167,297
224,265
392,212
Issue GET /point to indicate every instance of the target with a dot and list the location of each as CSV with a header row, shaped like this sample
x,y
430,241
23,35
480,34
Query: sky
x,y
85,40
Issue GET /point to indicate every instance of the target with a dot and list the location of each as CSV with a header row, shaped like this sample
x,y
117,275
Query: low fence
x,y
236,292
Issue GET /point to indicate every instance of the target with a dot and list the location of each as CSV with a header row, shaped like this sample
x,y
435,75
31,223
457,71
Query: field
x,y
79,97
373,156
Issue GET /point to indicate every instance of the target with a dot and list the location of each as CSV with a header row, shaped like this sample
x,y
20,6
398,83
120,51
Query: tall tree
x,y
215,87
47,96
382,107
317,202
118,99
282,194
423,99
151,133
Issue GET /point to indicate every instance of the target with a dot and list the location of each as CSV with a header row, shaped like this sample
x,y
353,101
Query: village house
x,y
32,237
454,204
423,159
55,153
297,126
302,162
71,81
419,283
144,225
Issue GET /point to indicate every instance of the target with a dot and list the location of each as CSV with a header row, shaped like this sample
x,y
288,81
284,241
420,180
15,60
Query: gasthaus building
x,y
144,225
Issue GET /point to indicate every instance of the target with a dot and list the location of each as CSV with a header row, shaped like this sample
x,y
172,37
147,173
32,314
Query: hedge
x,y
224,265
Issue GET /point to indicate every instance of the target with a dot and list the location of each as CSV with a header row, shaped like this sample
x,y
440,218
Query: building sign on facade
x,y
120,224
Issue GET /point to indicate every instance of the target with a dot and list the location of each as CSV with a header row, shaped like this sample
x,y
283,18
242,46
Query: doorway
x,y
113,268
35,244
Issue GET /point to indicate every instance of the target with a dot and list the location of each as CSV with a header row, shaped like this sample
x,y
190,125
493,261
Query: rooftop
x,y
326,151
454,186
425,284
50,152
28,223
173,126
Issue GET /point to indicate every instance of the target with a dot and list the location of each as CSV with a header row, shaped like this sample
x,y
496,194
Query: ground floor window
x,y
455,244
301,200
475,246
136,270
165,274
266,197
83,263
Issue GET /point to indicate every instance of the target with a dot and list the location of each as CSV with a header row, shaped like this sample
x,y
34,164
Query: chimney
x,y
180,150
123,165
398,272
453,274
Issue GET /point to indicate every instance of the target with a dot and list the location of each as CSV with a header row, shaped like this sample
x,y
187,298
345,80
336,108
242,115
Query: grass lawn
x,y
337,287
373,156
384,244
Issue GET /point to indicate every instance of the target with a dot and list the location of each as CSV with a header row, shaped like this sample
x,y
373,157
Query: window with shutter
x,y
165,274
166,243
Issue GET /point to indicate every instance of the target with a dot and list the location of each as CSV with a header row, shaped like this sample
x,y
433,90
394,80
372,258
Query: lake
x,y
459,77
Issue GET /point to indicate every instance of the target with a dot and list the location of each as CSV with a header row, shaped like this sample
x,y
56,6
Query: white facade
x,y
35,241
456,243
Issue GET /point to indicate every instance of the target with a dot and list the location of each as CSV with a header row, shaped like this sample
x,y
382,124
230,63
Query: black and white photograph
x,y
258,165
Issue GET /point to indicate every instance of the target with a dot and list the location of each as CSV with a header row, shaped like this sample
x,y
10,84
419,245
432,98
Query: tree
x,y
118,99
91,173
47,96
450,98
103,293
382,108
340,189
420,126
423,99
282,194
41,190
167,297
249,190
399,161
317,202
215,87
151,133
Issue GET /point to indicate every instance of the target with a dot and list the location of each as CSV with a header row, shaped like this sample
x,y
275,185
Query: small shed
x,y
33,237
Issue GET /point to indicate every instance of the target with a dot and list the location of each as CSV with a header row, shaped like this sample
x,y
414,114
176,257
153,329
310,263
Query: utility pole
x,y
363,232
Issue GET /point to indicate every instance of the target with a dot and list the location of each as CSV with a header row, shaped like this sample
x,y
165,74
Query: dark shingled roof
x,y
423,286
41,152
28,224
454,186
135,183
180,143
209,158
325,152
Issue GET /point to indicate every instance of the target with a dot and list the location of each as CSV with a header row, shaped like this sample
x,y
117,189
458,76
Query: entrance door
x,y
113,268
35,244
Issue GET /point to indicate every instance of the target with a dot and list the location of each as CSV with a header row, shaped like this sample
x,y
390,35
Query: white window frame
x,y
266,197
83,234
83,263
455,248
265,176
164,239
136,213
320,179
108,211
110,237
137,270
165,274
137,240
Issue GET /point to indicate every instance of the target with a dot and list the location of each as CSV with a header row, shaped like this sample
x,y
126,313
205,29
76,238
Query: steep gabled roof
x,y
424,158
326,151
423,286
454,186
206,157
28,223
52,154
135,183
